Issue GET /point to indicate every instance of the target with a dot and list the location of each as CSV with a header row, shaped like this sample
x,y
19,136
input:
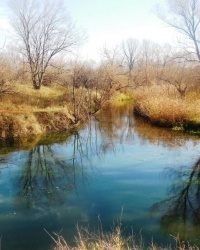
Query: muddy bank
x,y
21,124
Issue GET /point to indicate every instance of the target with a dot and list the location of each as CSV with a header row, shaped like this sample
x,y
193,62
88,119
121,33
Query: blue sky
x,y
108,22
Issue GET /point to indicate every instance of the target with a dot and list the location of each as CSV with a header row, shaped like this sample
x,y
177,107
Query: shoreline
x,y
16,124
187,126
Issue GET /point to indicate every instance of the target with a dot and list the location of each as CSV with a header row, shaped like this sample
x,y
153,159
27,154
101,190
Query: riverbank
x,y
25,112
160,106
14,124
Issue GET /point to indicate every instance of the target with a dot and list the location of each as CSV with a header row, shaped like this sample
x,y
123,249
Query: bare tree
x,y
147,61
177,75
130,50
184,16
43,29
165,53
8,71
111,56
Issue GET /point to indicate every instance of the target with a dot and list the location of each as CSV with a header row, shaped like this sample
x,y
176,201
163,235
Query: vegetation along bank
x,y
44,88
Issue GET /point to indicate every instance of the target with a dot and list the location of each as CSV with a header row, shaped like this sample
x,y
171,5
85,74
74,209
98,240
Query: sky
x,y
108,22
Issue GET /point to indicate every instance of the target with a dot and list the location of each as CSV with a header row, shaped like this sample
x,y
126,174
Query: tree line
x,y
45,35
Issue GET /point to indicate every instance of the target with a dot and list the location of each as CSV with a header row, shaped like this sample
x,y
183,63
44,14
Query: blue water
x,y
116,166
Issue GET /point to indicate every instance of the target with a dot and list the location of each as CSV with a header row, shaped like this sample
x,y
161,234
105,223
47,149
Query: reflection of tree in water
x,y
115,125
46,178
181,211
3,162
118,124
162,136
46,174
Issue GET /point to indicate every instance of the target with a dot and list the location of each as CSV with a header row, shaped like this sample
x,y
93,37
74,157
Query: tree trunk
x,y
36,83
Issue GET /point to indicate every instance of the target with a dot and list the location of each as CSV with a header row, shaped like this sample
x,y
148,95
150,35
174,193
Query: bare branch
x,y
184,17
44,30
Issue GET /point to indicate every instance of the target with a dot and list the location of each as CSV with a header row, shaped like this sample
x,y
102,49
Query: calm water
x,y
114,163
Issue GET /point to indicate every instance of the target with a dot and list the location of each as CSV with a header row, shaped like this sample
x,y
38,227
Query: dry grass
x,y
161,104
24,98
28,111
114,241
97,241
45,91
15,125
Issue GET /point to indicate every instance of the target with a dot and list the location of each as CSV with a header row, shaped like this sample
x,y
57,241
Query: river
x,y
116,167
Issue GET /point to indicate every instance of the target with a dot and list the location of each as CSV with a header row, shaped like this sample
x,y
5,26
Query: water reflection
x,y
181,211
46,176
162,136
119,124
41,176
113,161
50,171
116,124
26,143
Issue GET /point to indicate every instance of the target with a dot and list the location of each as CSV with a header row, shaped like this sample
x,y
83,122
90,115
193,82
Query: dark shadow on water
x,y
180,213
46,178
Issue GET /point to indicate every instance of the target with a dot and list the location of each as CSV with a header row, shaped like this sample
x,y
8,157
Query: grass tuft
x,y
114,241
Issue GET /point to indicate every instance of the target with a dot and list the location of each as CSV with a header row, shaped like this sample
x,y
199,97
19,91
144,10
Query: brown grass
x,y
114,241
24,97
27,111
161,104
97,241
